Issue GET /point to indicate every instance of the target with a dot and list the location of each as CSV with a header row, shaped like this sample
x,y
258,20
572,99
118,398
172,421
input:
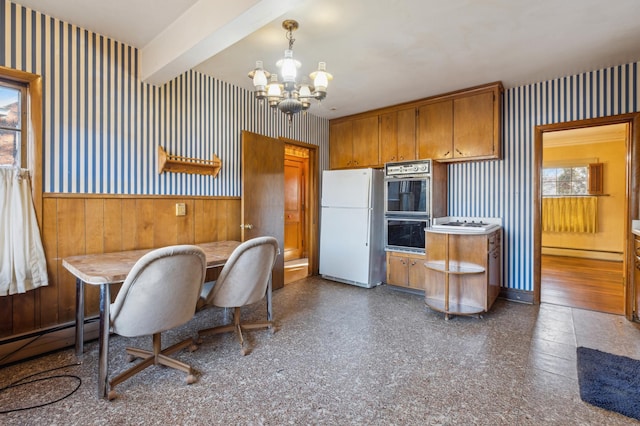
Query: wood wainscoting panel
x,y
75,224
143,234
95,236
71,240
49,294
129,226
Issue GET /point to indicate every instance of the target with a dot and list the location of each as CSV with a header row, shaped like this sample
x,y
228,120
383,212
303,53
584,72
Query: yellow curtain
x,y
570,214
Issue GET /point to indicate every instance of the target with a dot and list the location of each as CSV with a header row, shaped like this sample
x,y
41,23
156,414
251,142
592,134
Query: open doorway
x,y
300,215
583,211
586,250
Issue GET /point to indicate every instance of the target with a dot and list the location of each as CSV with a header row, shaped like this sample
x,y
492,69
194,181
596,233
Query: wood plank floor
x,y
591,284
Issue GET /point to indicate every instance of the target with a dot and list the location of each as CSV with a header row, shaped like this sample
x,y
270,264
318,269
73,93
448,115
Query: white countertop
x,y
490,225
467,231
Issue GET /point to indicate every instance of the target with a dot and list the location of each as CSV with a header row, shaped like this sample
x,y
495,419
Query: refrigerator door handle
x,y
366,241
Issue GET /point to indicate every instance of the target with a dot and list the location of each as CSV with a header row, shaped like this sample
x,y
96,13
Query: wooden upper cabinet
x,y
366,142
389,137
457,126
435,130
462,126
474,127
354,143
398,135
341,145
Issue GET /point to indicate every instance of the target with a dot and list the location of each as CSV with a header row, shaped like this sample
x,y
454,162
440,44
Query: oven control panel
x,y
408,168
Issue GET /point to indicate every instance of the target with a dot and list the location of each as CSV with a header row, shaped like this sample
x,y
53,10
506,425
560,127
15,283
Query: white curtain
x,y
22,263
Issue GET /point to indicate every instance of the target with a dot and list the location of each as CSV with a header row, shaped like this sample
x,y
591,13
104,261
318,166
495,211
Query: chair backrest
x,y
160,292
246,275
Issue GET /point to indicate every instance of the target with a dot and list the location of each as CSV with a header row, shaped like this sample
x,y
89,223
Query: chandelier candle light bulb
x,y
290,97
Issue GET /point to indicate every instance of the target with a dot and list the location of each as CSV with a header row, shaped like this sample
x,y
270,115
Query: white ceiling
x,y
381,52
587,135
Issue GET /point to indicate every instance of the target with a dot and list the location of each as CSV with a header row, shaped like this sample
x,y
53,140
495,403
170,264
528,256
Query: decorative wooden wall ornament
x,y
178,164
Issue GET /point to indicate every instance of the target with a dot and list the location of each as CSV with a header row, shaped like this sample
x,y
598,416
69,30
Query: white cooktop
x,y
470,225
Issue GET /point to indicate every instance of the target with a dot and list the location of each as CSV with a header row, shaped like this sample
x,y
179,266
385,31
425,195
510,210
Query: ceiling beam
x,y
205,29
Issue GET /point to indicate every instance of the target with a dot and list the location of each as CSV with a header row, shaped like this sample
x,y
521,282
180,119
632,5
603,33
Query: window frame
x,y
32,123
23,153
559,167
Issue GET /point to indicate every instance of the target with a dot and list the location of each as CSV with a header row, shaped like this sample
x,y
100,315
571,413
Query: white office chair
x,y
245,279
160,293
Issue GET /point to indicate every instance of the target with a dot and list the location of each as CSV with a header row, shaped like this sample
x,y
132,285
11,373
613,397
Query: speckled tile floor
x,y
345,355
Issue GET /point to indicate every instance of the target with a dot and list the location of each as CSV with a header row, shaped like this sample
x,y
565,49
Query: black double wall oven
x,y
408,199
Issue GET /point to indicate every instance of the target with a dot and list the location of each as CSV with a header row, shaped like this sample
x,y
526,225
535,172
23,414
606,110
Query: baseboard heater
x,y
582,253
34,343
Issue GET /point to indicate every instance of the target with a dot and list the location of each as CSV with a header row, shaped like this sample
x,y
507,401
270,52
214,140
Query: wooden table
x,y
112,268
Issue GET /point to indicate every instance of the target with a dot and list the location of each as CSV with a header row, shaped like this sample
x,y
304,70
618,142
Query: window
x,y
30,133
13,146
565,181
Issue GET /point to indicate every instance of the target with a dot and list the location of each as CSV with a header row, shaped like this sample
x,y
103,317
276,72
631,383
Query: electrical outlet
x,y
181,209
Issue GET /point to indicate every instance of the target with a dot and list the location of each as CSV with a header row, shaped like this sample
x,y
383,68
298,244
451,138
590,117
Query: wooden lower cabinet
x,y
406,270
463,272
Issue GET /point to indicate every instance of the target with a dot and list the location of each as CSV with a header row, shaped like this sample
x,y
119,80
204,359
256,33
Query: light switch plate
x,y
181,209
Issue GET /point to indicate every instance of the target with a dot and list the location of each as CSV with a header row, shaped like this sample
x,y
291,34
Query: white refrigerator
x,y
351,227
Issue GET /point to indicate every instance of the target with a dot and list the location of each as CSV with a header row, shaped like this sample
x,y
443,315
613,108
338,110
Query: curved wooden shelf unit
x,y
463,268
452,308
178,164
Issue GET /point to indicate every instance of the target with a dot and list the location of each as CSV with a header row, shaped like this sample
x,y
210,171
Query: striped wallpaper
x,y
504,188
102,124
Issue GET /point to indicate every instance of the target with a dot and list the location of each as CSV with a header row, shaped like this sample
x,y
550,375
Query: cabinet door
x,y
473,126
493,276
406,137
366,150
341,145
636,272
389,137
417,273
435,130
397,270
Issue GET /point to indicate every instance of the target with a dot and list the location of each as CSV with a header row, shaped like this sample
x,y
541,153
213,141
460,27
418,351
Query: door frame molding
x,y
312,212
631,203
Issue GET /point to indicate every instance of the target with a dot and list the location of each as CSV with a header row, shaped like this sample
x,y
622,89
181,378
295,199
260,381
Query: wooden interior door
x,y
262,204
295,172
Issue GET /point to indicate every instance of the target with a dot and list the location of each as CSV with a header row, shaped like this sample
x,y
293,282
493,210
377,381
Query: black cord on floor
x,y
21,382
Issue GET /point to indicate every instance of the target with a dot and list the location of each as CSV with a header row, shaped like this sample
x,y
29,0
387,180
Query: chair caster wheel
x,y
273,330
244,352
131,358
112,395
193,347
191,379
197,340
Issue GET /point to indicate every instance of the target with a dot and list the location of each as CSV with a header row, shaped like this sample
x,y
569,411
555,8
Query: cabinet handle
x,y
446,153
459,152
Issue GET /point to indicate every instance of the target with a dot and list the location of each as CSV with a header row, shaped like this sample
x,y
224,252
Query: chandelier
x,y
289,96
